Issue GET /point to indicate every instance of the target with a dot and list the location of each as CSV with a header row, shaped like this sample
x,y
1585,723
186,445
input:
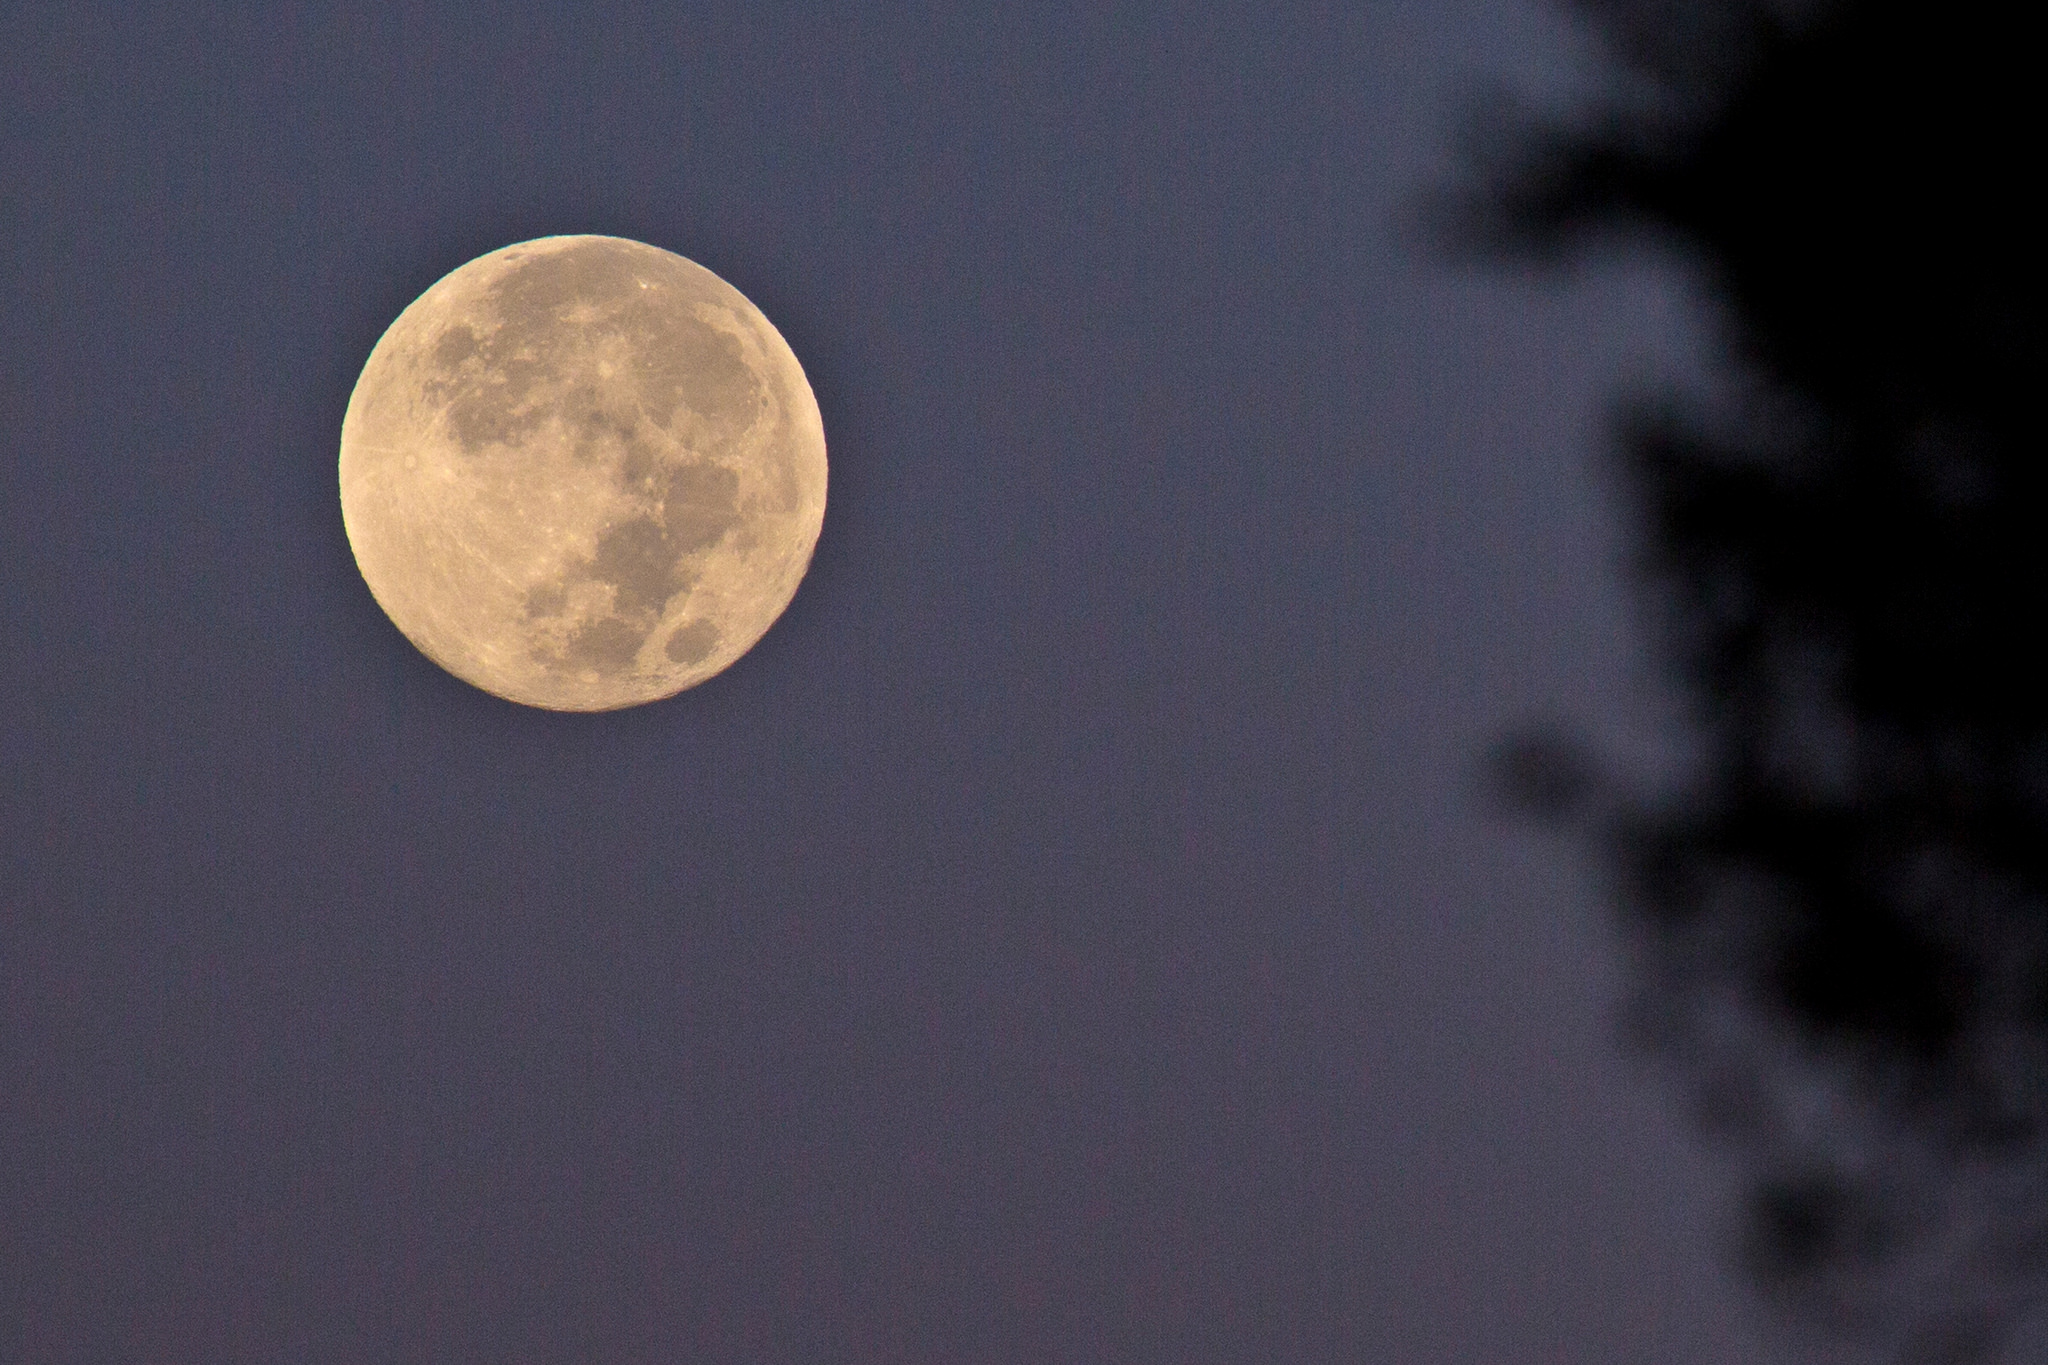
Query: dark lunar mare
x,y
1849,573
501,388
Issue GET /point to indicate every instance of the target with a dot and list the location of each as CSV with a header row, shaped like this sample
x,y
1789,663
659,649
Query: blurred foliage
x,y
1845,907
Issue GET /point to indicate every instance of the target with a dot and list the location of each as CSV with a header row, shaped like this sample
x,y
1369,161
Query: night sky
x,y
1075,932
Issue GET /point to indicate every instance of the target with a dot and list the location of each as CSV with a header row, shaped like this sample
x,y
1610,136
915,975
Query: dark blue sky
x,y
1069,936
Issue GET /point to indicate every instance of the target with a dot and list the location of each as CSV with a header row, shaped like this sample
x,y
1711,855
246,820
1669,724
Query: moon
x,y
582,473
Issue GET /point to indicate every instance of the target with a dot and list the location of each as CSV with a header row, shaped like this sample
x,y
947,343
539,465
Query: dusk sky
x,y
1073,934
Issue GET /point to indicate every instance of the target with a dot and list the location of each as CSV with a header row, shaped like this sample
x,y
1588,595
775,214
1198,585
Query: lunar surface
x,y
582,473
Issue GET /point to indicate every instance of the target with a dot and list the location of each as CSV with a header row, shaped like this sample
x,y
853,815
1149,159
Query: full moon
x,y
582,473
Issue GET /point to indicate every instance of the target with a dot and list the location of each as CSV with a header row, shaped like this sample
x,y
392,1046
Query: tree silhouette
x,y
1845,907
